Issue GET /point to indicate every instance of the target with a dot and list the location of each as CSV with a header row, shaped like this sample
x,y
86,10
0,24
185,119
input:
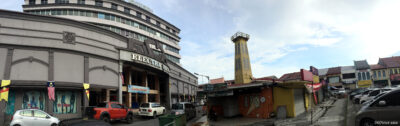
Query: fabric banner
x,y
50,90
313,87
122,78
87,94
4,90
138,89
5,83
86,86
4,94
315,99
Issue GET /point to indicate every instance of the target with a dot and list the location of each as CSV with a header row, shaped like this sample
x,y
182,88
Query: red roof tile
x,y
333,71
390,62
290,76
376,66
217,80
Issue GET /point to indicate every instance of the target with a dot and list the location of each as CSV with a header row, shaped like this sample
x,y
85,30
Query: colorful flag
x,y
4,94
5,83
88,94
122,78
50,90
86,86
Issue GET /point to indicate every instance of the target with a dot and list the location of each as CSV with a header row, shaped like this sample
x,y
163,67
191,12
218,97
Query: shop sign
x,y
130,56
221,93
395,77
138,89
146,60
213,87
306,75
315,79
364,83
314,70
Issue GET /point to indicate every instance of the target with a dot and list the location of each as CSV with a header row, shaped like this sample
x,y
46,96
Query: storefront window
x,y
34,100
10,103
65,102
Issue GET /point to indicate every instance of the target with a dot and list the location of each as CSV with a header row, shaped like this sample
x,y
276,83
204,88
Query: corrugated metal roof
x,y
347,69
322,72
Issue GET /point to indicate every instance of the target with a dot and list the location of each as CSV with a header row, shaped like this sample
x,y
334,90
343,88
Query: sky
x,y
285,35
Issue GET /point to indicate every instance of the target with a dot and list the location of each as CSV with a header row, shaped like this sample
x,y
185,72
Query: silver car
x,y
384,110
33,117
186,108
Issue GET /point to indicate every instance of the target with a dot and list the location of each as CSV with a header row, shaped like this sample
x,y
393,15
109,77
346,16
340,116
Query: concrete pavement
x,y
334,116
305,118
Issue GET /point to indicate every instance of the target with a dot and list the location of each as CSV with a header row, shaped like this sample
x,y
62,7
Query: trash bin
x,y
172,120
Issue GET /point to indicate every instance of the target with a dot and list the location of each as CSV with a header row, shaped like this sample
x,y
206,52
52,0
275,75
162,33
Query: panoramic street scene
x,y
199,63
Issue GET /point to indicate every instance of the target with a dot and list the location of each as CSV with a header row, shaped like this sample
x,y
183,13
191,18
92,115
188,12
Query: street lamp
x,y
208,78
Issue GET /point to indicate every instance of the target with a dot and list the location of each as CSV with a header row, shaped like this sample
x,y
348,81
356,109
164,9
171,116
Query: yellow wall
x,y
307,101
285,97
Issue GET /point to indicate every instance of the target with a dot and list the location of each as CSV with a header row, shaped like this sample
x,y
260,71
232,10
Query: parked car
x,y
151,110
383,110
377,96
357,92
369,96
356,98
33,117
186,108
372,94
110,111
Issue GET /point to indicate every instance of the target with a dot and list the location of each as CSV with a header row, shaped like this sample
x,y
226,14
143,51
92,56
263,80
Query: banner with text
x,y
138,89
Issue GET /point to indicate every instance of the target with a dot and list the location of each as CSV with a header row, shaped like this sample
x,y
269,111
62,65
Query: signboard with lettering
x,y
314,70
138,89
145,60
214,87
306,75
221,93
364,83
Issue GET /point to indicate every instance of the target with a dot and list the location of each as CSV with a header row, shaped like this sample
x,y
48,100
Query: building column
x,y
107,95
129,97
157,84
145,84
121,65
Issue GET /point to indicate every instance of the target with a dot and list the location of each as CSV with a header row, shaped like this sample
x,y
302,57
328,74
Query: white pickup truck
x,y
151,110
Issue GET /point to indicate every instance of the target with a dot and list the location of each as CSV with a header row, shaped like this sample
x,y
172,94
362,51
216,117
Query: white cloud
x,y
362,29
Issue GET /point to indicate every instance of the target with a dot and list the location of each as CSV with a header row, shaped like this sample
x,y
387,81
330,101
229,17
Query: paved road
x,y
138,121
334,115
352,110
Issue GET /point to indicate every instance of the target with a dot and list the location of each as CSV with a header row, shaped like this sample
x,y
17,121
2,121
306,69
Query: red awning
x,y
314,87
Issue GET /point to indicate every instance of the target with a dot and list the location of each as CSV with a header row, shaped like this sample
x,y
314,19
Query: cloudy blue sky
x,y
286,35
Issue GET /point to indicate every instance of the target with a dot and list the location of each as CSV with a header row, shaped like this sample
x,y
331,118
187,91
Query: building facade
x,y
63,43
363,73
349,77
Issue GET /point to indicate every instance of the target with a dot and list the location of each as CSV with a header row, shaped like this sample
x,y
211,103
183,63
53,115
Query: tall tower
x,y
242,61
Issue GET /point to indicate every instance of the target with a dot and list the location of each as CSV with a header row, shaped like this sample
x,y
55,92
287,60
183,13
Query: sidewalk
x,y
305,118
335,115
